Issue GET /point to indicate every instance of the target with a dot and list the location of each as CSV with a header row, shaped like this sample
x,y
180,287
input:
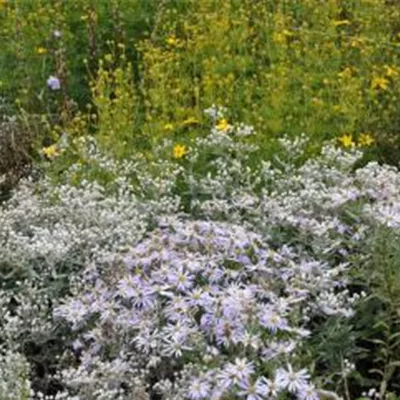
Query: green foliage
x,y
379,323
326,68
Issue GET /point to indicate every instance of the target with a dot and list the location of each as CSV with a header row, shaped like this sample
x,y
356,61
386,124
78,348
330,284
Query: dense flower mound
x,y
203,309
203,277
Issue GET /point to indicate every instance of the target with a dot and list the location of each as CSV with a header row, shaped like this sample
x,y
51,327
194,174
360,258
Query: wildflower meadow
x,y
199,200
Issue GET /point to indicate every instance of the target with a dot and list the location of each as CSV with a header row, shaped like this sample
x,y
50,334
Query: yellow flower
x,y
365,139
287,33
179,151
222,125
346,73
168,127
390,71
41,50
191,121
379,83
51,151
346,141
171,40
341,22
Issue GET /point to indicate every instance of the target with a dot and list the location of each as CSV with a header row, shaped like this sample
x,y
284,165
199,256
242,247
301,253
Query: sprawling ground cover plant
x,y
202,274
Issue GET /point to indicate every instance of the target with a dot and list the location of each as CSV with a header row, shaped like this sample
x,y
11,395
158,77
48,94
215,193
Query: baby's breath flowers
x,y
179,151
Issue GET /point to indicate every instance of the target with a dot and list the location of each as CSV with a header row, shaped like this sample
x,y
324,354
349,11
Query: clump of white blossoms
x,y
195,280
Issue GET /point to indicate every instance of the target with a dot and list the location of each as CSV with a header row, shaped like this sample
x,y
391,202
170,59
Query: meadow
x,y
199,199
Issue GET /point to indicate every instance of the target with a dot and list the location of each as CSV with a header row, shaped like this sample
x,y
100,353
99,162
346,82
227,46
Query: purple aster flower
x,y
181,279
271,320
258,390
174,347
278,348
290,380
199,389
308,392
237,373
54,83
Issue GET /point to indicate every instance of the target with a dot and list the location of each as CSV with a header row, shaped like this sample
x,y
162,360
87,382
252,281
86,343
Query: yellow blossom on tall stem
x,y
171,40
346,141
179,151
365,139
169,127
191,121
41,50
379,83
51,151
222,125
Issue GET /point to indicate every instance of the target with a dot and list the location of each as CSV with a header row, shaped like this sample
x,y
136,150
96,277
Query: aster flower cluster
x,y
201,297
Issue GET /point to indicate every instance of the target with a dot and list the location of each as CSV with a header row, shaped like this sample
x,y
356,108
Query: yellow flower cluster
x,y
364,140
294,66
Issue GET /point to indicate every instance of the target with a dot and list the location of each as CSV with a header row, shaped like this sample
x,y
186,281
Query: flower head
x,y
51,151
308,392
54,83
199,389
41,50
379,83
365,139
346,141
172,40
168,127
179,151
222,125
290,380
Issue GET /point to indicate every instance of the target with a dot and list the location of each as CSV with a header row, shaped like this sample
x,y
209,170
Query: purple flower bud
x,y
54,83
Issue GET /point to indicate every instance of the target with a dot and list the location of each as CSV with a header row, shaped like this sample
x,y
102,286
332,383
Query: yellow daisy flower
x,y
346,141
51,151
179,151
379,83
222,125
171,40
41,50
365,139
169,127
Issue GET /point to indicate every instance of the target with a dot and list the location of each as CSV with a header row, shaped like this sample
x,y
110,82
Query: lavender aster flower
x,y
308,392
258,390
272,321
54,83
199,389
290,380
